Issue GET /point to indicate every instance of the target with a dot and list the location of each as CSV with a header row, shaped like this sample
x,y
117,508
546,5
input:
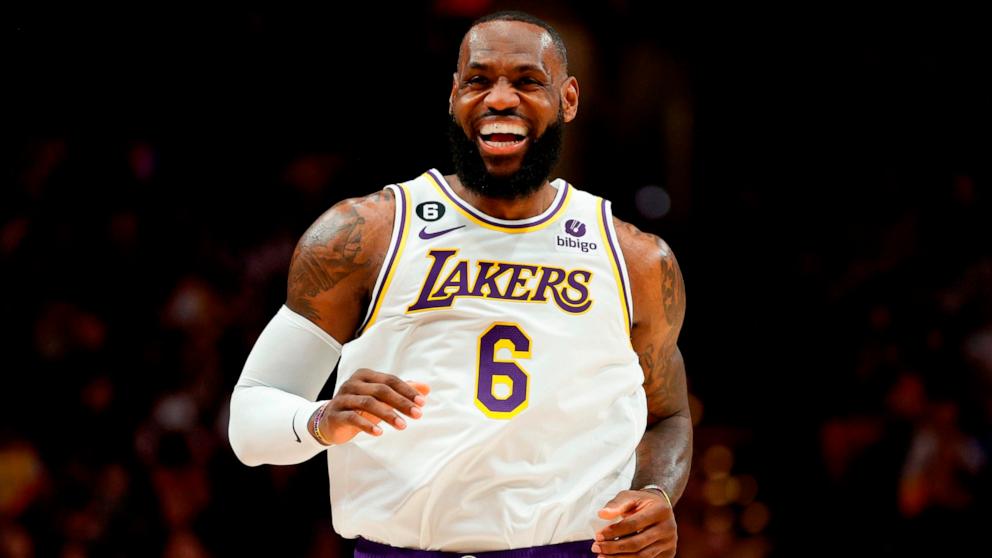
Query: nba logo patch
x,y
572,238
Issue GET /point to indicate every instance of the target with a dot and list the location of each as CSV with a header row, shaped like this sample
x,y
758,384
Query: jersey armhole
x,y
401,220
610,238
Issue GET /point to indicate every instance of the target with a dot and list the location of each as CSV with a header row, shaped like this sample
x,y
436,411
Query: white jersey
x,y
522,330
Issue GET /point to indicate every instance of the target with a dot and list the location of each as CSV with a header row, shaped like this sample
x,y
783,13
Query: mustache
x,y
538,161
504,113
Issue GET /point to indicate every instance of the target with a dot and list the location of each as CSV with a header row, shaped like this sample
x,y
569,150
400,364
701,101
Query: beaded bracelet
x,y
316,425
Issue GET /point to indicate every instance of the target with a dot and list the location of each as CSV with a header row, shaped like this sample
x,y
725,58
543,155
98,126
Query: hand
x,y
365,400
647,529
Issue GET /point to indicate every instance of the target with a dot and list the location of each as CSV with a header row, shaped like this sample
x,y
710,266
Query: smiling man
x,y
528,334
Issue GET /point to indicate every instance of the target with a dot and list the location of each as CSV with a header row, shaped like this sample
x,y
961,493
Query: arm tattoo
x,y
665,451
331,250
672,288
664,371
664,382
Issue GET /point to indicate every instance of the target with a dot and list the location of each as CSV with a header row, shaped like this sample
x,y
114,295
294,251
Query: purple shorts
x,y
576,549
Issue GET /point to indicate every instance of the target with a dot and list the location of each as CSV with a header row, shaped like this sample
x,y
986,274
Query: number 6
x,y
493,371
430,212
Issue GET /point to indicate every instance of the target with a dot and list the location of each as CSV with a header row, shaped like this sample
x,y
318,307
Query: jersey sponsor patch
x,y
572,238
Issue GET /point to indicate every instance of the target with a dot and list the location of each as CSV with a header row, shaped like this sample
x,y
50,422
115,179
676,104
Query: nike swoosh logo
x,y
293,425
429,235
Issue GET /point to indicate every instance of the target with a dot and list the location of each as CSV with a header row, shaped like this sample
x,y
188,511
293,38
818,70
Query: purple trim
x,y
576,549
616,258
485,218
392,258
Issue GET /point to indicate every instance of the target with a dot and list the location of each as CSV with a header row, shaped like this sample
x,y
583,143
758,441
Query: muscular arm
x,y
333,269
336,263
647,526
664,454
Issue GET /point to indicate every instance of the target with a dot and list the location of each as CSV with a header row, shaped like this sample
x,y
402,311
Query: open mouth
x,y
502,138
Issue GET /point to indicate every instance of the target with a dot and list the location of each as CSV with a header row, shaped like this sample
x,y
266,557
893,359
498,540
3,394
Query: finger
x,y
618,506
389,396
364,375
406,389
357,420
421,387
403,389
631,524
386,394
626,545
371,405
370,417
664,548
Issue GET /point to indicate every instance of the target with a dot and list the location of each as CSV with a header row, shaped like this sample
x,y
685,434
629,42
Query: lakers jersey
x,y
521,328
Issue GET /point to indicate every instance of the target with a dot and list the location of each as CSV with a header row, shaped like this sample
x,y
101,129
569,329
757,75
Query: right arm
x,y
336,262
331,275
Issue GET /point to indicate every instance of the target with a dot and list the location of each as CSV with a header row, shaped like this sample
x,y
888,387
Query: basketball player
x,y
509,378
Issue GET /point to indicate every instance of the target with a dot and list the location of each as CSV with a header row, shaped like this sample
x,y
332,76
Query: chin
x,y
503,169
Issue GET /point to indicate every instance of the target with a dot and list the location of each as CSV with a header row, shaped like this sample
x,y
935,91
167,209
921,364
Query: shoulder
x,y
340,254
655,276
347,216
642,249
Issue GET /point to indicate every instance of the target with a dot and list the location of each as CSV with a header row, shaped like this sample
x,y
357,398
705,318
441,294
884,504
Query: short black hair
x,y
516,15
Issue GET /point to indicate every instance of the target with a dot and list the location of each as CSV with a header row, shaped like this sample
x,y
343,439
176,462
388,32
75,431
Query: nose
x,y
502,96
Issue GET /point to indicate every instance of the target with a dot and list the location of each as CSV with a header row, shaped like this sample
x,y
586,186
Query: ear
x,y
454,89
570,98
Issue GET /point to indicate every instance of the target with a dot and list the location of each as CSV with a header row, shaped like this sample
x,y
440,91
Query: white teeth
x,y
503,128
500,143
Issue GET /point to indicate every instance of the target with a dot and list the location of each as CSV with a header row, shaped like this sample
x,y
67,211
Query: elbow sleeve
x,y
275,395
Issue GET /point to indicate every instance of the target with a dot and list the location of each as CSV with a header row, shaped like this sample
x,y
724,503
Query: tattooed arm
x,y
336,262
331,278
332,273
665,450
659,294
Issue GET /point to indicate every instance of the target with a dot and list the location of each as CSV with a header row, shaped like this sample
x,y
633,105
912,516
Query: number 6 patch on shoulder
x,y
430,211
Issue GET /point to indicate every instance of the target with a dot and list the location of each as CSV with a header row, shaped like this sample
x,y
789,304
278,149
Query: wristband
x,y
316,426
659,489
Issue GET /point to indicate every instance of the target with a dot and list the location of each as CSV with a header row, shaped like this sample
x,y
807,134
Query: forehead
x,y
508,42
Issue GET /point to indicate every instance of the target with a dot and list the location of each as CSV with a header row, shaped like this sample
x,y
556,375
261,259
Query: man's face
x,y
510,88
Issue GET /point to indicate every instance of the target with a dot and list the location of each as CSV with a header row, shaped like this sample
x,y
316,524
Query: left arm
x,y
664,454
665,451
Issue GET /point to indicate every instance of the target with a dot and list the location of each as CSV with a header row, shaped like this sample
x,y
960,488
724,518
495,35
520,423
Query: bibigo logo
x,y
569,242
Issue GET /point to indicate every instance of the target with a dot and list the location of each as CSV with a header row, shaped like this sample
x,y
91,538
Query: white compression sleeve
x,y
274,398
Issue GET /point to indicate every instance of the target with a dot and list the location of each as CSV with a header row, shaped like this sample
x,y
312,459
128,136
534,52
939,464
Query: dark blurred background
x,y
822,177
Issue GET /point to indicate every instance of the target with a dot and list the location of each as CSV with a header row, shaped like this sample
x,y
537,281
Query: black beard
x,y
539,160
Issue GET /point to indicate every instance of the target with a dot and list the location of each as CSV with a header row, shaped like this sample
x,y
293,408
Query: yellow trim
x,y
613,264
396,259
504,379
551,218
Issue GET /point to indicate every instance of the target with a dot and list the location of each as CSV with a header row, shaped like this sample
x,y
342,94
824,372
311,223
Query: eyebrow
x,y
522,68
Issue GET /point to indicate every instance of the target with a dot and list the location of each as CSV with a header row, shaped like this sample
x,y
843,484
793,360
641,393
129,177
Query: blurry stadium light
x,y
718,520
653,201
717,461
755,518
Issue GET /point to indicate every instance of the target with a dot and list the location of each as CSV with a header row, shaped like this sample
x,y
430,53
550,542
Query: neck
x,y
515,209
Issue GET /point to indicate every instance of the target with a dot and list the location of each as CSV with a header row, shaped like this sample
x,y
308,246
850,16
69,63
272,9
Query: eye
x,y
477,81
529,83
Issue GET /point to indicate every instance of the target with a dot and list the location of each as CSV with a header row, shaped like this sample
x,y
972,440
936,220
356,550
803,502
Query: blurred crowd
x,y
906,434
138,271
